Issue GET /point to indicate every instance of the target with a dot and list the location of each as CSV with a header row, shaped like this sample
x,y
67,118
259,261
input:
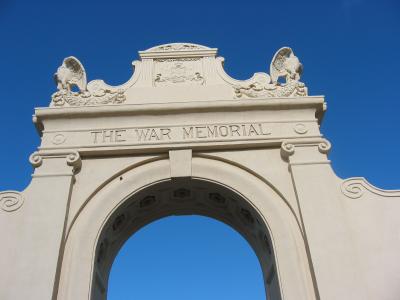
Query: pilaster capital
x,y
72,159
306,149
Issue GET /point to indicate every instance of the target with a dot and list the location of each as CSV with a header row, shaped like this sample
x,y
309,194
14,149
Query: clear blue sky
x,y
350,50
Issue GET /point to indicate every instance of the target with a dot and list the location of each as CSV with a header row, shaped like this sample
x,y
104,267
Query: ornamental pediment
x,y
179,72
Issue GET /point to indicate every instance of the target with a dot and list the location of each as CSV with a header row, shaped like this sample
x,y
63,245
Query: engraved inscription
x,y
109,136
180,133
153,134
215,131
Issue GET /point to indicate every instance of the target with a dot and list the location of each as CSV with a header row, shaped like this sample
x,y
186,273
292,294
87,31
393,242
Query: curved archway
x,y
216,189
186,257
186,197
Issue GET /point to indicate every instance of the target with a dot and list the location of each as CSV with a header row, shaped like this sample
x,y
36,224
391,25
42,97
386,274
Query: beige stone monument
x,y
182,137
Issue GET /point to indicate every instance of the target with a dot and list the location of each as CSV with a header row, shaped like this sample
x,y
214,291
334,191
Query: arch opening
x,y
186,257
179,198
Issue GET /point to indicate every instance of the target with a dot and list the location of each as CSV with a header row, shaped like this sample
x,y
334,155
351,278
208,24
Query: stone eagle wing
x,y
277,68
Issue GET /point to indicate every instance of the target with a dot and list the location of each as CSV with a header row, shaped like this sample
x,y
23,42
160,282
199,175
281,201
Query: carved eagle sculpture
x,y
285,64
71,73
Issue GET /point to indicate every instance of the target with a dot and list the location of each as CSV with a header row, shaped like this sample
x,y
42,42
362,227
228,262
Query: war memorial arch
x,y
182,137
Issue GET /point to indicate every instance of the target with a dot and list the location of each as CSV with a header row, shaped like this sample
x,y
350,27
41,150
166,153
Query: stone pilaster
x,y
324,220
32,222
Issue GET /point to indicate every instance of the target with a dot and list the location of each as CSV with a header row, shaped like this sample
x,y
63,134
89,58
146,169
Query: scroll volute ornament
x,y
11,200
356,187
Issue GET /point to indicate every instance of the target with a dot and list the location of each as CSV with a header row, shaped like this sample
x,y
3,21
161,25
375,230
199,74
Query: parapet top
x,y
177,47
184,49
178,72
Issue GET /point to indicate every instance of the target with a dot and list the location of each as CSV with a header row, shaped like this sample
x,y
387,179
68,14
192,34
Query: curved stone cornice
x,y
177,47
356,187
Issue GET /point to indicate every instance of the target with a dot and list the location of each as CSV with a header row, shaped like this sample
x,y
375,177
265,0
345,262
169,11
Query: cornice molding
x,y
282,103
